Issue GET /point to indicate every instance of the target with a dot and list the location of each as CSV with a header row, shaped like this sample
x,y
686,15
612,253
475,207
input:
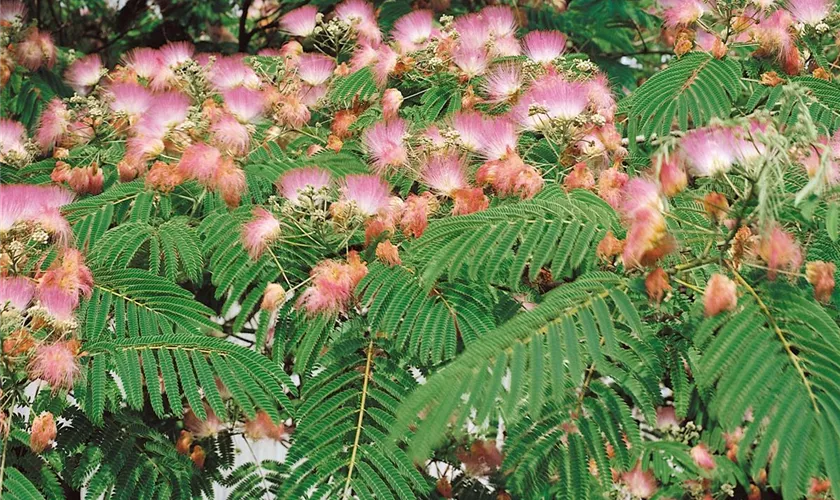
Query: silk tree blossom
x,y
498,139
708,151
332,287
129,98
445,173
200,161
469,200
683,12
510,177
262,427
385,64
364,55
641,483
315,69
230,72
43,432
56,364
385,143
260,232
361,15
167,110
647,239
245,104
473,30
544,46
301,180
413,30
16,292
503,82
230,135
810,12
144,61
611,183
471,61
501,20
273,297
368,194
702,458
209,427
84,73
300,22
779,250
12,140
61,287
469,126
55,120
549,98
392,99
35,50
579,178
640,195
38,204
601,96
774,35
819,274
416,210
720,295
672,177
174,54
12,10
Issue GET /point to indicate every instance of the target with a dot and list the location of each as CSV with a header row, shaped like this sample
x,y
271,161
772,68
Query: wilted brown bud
x,y
388,253
609,247
182,445
657,284
198,456
822,74
716,206
821,275
771,78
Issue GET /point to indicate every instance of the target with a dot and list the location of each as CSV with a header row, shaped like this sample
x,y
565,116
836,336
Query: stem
x,y
359,421
3,460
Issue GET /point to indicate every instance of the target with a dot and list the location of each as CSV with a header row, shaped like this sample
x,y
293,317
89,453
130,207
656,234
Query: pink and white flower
x,y
367,193
130,98
501,20
245,104
498,139
315,69
811,12
445,173
60,288
174,54
413,30
551,97
708,151
472,61
55,120
683,12
361,15
35,203
391,101
301,21
544,46
503,82
385,143
12,139
298,180
470,128
720,295
16,292
260,232
231,72
84,73
56,364
230,135
145,62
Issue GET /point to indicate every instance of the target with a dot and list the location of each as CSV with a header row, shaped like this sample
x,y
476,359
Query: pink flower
x,y
273,297
779,250
84,73
35,203
230,135
291,111
579,178
470,128
701,456
818,273
386,62
666,417
56,364
11,10
167,110
708,151
36,49
500,20
245,104
260,232
301,21
445,173
647,238
720,295
367,193
601,96
473,30
503,82
385,143
683,12
315,69
229,182
391,101
775,37
642,484
413,30
510,176
292,183
672,177
469,200
611,186
498,138
505,46
364,55
209,427
130,98
43,432
640,195
60,288
333,283
551,97
231,72
471,61
174,54
145,62
415,214
262,426
200,162
810,12
388,253
12,139
55,120
544,46
361,15
15,292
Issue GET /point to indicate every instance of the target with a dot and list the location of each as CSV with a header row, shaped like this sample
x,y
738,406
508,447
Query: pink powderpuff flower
x,y
469,200
720,295
310,95
291,111
470,128
551,97
56,364
231,72
601,97
36,49
11,10
415,214
144,61
167,110
708,151
230,182
746,145
12,139
260,232
510,176
391,101
262,427
433,137
473,30
611,186
209,427
445,173
647,239
702,458
43,432
386,63
471,61
55,120
361,15
775,37
666,418
200,161
245,104
505,46
16,292
367,193
413,30
86,180
388,253
683,12
174,54
333,285
130,98
500,20
498,139
64,282
640,195
315,69
503,83
230,135
641,483
298,180
300,22
385,143
811,12
364,55
544,46
41,204
273,297
779,250
84,73
818,273
672,178
579,178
